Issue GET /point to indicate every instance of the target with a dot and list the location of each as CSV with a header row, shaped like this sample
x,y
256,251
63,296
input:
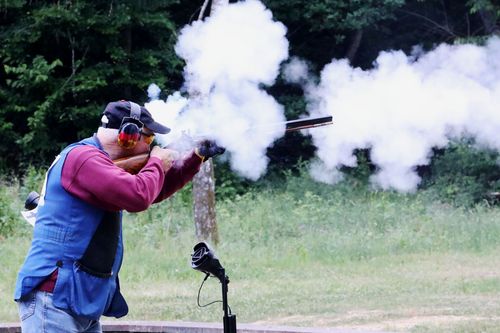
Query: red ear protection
x,y
130,129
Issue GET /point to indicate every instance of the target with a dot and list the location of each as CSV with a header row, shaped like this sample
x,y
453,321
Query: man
x,y
70,275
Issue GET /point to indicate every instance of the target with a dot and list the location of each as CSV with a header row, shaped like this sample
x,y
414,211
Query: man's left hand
x,y
209,148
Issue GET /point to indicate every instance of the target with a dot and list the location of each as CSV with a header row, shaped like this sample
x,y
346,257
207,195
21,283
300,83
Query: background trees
x,y
62,61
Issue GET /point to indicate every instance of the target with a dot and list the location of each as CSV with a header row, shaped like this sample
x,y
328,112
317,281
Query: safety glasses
x,y
148,137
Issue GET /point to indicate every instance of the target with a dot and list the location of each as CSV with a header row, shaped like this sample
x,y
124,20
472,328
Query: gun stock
x,y
132,164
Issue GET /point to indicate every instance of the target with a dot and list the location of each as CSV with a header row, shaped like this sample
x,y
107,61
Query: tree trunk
x,y
127,92
204,204
217,4
489,21
354,45
3,75
205,220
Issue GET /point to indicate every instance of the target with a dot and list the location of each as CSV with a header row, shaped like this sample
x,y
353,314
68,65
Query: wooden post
x,y
205,220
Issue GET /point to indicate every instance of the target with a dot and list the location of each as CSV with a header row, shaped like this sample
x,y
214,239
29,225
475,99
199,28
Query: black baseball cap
x,y
116,111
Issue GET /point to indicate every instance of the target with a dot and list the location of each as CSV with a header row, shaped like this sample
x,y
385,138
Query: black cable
x,y
199,291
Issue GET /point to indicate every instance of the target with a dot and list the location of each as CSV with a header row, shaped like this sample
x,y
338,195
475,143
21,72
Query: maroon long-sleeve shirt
x,y
89,174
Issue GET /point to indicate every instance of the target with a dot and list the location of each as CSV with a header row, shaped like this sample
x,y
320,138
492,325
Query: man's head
x,y
132,122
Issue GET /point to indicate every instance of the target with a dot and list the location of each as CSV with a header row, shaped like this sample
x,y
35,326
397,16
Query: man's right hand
x,y
167,156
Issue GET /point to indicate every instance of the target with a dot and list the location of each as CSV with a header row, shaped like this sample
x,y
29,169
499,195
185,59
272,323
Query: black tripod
x,y
203,259
229,319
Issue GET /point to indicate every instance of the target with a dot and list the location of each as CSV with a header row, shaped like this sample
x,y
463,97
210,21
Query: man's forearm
x,y
181,173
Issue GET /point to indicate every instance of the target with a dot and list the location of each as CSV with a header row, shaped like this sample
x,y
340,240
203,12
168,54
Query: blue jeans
x,y
39,315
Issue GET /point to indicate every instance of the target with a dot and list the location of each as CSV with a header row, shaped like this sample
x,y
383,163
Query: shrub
x,y
32,181
12,197
228,183
9,209
464,174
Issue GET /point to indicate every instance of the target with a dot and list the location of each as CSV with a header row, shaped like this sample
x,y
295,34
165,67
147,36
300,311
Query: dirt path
x,y
380,321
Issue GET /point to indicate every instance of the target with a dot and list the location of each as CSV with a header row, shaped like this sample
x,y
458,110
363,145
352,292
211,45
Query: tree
x,y
339,25
62,61
489,14
429,22
204,182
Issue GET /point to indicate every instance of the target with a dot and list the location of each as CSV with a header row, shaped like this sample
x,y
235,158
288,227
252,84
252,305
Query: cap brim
x,y
158,128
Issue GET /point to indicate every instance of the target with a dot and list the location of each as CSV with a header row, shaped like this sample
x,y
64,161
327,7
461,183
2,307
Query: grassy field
x,y
306,254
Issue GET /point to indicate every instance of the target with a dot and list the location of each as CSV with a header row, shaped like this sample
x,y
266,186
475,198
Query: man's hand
x,y
208,148
167,156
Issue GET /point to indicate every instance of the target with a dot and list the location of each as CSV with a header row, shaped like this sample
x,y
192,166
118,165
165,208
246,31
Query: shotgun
x,y
135,163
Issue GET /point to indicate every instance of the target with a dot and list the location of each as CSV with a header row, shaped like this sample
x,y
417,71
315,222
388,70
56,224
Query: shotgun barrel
x,y
300,124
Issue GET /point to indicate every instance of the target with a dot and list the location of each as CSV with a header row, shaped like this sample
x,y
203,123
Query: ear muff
x,y
130,129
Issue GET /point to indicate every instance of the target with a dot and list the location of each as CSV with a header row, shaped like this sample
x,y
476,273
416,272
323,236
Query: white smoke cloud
x,y
296,71
228,57
400,109
405,106
167,112
154,92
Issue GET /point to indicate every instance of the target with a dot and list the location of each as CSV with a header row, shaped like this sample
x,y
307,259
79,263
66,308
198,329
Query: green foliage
x,y
227,183
359,175
321,30
477,6
12,196
62,61
349,15
32,181
465,174
33,77
9,210
429,22
326,224
351,250
324,29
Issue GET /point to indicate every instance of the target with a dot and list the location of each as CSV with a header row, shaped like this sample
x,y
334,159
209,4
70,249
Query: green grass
x,y
307,254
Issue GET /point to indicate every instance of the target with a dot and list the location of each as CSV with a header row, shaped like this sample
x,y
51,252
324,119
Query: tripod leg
x,y
230,324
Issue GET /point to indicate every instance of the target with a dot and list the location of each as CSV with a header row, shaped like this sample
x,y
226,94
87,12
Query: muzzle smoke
x,y
229,56
399,110
402,108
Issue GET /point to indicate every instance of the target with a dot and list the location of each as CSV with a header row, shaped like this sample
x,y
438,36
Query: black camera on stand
x,y
204,260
